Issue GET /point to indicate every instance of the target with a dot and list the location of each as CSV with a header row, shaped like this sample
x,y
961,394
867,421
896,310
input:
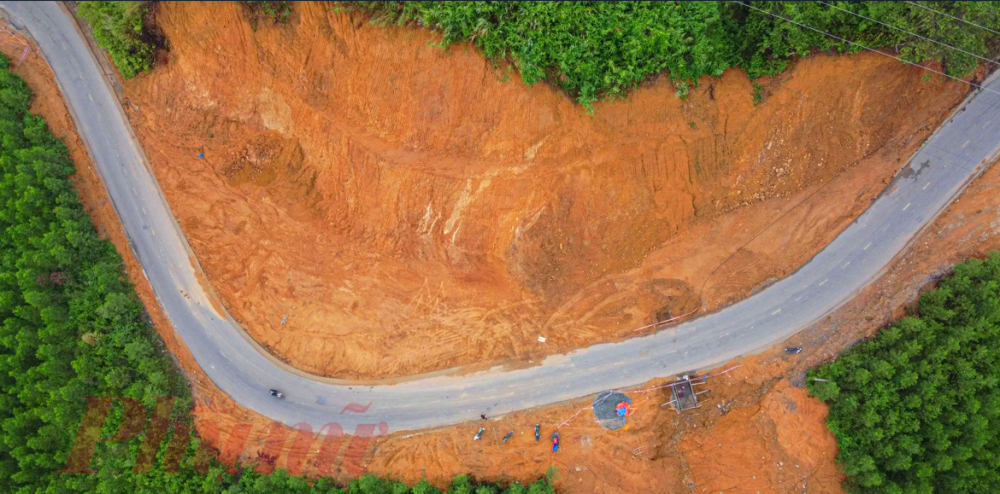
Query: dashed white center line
x,y
966,143
926,185
987,124
867,246
824,282
907,206
776,312
848,263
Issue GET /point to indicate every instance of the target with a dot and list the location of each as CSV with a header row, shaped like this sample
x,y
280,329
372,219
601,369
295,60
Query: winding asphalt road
x,y
948,161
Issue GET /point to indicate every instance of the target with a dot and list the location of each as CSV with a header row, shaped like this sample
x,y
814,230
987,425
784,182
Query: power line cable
x,y
913,34
954,17
938,72
701,291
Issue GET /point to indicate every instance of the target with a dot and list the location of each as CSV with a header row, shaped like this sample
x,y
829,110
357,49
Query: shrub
x,y
119,28
279,12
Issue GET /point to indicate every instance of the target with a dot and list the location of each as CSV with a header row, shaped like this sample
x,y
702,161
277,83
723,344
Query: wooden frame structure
x,y
683,395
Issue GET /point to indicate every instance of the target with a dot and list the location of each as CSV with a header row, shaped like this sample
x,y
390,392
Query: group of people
x,y
479,435
538,435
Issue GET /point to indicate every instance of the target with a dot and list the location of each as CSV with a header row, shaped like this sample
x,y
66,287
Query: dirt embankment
x,y
645,457
369,206
754,432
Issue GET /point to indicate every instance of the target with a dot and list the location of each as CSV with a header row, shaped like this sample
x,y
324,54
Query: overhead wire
x,y
994,31
994,62
975,85
938,72
705,283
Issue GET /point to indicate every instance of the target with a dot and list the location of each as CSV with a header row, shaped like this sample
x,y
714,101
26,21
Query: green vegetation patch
x,y
73,327
604,49
120,28
279,12
917,408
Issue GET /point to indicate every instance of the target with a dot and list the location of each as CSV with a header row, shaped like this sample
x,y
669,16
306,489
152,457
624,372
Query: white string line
x,y
912,33
975,85
953,17
654,388
668,321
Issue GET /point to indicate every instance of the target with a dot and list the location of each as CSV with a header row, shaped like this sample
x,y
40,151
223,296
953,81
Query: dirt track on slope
x,y
369,206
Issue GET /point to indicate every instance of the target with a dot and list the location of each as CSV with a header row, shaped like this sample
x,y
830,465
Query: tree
x,y
915,408
118,27
605,49
84,335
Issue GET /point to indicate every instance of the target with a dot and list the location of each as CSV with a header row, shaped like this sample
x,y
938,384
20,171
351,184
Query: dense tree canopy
x,y
120,28
600,49
595,49
917,408
72,327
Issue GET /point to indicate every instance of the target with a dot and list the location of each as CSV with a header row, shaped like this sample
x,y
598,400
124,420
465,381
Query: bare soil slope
x,y
755,431
370,206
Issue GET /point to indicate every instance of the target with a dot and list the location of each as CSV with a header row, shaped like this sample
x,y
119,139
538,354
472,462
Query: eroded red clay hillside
x,y
370,206
766,433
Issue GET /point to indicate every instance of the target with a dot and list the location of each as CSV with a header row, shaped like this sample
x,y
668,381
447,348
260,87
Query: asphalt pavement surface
x,y
958,151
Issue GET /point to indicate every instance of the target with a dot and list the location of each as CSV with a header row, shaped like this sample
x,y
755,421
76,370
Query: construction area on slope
x,y
756,429
368,206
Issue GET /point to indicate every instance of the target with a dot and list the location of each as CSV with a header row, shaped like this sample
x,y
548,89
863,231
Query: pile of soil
x,y
369,206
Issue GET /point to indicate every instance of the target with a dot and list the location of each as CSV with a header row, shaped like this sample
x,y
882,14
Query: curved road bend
x,y
948,161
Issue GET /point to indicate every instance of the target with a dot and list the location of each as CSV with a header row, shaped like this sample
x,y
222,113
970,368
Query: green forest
x,y
596,50
917,408
121,29
604,49
73,327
